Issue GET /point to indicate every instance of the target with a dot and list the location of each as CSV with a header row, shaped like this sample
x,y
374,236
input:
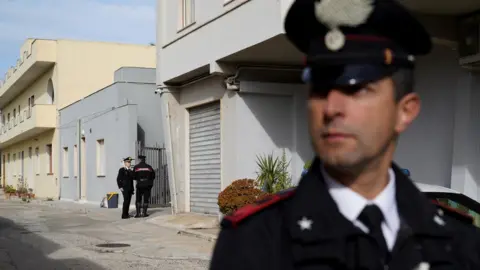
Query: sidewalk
x,y
201,226
197,225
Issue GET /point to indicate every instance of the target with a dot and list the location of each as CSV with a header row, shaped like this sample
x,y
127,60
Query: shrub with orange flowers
x,y
238,194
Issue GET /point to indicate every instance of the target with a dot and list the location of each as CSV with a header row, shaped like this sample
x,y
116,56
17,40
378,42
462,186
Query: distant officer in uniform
x,y
144,175
125,184
355,208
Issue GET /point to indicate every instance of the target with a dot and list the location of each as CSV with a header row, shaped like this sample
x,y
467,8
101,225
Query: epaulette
x,y
241,214
454,213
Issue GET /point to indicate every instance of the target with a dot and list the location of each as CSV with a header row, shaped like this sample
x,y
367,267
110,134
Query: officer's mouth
x,y
336,137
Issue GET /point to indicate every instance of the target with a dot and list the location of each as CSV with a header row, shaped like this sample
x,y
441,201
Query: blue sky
x,y
129,21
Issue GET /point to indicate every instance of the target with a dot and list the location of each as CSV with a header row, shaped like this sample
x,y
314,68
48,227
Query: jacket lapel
x,y
421,223
326,238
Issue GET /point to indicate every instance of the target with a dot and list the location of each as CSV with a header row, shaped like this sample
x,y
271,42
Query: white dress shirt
x,y
350,204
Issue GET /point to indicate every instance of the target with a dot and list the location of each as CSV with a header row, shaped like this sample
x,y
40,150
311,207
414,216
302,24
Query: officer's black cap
x,y
387,39
128,159
142,157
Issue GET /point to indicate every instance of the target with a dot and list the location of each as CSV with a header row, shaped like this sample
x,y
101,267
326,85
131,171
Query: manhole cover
x,y
113,245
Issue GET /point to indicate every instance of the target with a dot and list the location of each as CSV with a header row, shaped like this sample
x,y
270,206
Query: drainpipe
x,y
165,110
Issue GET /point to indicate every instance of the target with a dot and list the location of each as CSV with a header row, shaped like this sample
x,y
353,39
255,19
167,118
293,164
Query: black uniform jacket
x,y
268,236
125,179
144,174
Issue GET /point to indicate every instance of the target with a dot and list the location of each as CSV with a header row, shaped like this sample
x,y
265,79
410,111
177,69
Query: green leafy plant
x,y
238,194
307,165
273,175
10,189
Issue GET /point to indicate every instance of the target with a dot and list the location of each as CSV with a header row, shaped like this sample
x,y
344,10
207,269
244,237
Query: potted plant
x,y
9,191
238,194
273,173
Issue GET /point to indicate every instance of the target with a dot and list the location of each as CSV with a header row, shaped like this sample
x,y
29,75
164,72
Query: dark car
x,y
467,208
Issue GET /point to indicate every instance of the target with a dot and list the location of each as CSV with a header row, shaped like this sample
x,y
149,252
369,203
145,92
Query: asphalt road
x,y
37,236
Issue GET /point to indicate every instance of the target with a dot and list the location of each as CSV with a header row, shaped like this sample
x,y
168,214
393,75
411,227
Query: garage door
x,y
205,158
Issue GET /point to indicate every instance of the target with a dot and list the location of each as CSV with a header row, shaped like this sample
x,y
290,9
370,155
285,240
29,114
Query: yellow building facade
x,y
48,76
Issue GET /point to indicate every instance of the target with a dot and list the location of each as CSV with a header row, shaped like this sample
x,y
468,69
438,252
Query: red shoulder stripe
x,y
452,210
241,214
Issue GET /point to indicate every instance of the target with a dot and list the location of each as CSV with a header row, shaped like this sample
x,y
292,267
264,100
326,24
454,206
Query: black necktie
x,y
372,217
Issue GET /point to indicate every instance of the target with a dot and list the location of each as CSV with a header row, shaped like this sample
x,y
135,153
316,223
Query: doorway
x,y
3,171
83,168
22,168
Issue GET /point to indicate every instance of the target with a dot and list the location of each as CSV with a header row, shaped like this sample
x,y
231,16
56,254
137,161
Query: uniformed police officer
x,y
125,184
144,175
354,209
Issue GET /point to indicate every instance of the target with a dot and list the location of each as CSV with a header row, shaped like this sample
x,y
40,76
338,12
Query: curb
x,y
188,232
195,233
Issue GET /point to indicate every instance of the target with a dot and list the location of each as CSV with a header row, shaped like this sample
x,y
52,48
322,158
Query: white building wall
x,y
271,118
439,148
219,30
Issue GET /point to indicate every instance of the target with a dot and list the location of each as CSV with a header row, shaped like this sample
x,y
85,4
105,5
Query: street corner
x,y
197,225
189,221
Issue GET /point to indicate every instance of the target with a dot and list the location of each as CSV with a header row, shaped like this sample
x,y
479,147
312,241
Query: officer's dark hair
x,y
403,81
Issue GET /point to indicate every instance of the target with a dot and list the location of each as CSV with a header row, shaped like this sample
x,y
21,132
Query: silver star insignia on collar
x,y
423,266
305,224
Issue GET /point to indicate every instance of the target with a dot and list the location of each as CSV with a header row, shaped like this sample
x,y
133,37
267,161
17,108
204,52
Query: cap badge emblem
x,y
336,13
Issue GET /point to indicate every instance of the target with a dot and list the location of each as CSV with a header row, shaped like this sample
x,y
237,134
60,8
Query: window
x,y
37,161
65,168
14,117
101,157
14,164
48,151
9,123
75,160
187,13
30,106
29,109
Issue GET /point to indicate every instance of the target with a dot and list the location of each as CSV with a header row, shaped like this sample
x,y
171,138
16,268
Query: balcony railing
x,y
30,122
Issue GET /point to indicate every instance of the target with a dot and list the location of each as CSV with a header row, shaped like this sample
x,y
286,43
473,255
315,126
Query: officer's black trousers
x,y
127,198
143,196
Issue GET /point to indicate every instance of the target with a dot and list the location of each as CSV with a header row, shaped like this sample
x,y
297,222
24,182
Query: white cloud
x,y
130,21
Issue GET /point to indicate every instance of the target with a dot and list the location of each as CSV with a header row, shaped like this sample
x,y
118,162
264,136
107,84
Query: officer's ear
x,y
408,108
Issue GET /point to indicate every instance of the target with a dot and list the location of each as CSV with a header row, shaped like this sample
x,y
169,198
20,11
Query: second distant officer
x,y
144,175
125,184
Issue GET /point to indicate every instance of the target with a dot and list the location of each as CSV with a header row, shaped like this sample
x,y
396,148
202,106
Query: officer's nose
x,y
335,102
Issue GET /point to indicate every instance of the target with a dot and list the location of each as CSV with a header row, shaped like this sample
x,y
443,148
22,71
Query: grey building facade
x,y
97,132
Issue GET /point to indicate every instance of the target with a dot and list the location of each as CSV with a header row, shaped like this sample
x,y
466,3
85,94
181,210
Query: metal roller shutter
x,y
205,158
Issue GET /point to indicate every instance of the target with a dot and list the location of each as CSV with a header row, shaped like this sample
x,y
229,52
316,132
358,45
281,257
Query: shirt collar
x,y
350,204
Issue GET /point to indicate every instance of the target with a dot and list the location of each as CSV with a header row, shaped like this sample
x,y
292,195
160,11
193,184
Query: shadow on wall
x,y
140,133
277,117
24,250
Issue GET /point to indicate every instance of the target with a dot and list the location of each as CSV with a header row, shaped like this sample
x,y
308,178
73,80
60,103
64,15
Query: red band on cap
x,y
305,61
366,38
